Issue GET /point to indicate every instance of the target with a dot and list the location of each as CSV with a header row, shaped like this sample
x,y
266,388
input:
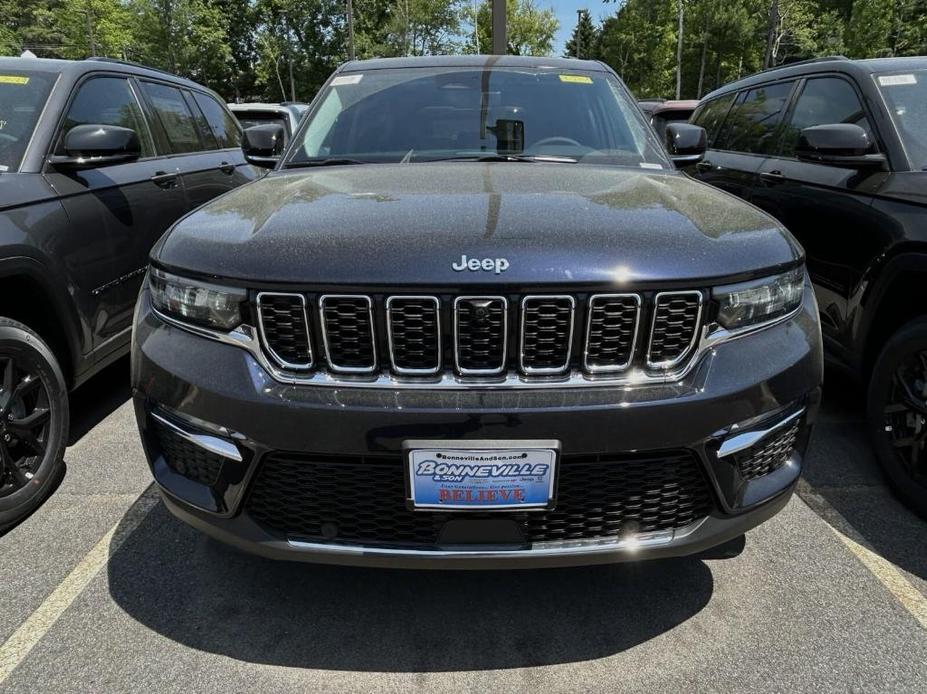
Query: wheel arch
x,y
27,295
892,303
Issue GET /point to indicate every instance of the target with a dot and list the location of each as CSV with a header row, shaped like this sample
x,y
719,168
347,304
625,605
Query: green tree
x,y
530,29
585,37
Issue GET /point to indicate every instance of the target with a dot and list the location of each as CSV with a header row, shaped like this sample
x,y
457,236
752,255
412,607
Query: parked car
x,y
468,332
97,159
836,149
286,114
662,112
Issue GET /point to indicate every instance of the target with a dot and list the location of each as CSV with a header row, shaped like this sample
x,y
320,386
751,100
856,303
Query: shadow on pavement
x,y
843,470
98,398
197,592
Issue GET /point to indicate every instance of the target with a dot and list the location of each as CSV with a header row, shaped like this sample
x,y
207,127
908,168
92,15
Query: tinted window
x,y
107,101
711,114
22,97
823,101
751,124
457,113
222,123
175,117
208,139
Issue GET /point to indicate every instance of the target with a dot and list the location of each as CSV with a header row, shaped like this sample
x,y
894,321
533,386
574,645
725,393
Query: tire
x,y
33,422
898,424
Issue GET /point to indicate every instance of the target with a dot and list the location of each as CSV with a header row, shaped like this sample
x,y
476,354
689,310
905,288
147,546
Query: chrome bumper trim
x,y
539,549
748,439
213,444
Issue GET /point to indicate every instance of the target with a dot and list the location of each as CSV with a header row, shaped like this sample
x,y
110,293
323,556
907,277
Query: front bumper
x,y
218,396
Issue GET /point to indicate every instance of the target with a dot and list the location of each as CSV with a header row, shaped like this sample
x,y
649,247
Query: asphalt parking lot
x,y
104,592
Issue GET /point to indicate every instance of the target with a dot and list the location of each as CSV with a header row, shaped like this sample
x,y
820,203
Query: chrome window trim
x,y
245,337
373,337
618,368
505,336
280,360
546,371
389,334
671,363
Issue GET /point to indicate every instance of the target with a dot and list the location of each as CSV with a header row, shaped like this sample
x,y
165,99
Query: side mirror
x,y
838,144
686,143
90,146
263,145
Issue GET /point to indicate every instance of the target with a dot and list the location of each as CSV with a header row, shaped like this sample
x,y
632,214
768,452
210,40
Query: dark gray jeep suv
x,y
475,318
97,159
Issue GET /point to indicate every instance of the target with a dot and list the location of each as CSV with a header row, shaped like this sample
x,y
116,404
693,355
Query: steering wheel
x,y
558,140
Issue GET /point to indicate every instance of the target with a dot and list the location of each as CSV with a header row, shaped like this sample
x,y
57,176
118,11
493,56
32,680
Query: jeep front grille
x,y
541,337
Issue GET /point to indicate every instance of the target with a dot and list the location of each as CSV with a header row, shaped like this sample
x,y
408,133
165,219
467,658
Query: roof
x,y
475,61
75,68
827,64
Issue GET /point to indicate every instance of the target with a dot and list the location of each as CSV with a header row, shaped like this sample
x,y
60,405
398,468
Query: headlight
x,y
194,301
759,301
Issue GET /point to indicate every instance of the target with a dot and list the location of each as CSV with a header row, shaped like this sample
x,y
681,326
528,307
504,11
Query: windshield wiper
x,y
515,157
333,161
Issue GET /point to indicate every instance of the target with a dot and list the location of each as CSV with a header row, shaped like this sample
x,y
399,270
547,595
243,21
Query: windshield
x,y
906,96
22,97
428,114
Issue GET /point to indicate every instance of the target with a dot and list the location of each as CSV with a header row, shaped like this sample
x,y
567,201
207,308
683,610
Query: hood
x,y
411,224
18,189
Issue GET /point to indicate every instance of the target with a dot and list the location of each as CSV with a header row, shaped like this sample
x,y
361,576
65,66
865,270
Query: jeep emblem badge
x,y
497,265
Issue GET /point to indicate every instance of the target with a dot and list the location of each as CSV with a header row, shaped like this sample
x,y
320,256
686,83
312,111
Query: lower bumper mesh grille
x,y
769,455
186,458
362,499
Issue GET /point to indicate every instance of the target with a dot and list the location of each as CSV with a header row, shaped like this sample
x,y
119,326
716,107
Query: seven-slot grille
x,y
481,336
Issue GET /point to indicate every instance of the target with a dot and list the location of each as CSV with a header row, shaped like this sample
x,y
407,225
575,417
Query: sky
x,y
566,13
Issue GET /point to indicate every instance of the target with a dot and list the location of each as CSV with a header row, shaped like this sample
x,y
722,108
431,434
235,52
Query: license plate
x,y
486,475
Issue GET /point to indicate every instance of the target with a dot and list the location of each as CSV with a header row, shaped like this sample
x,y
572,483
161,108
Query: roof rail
x,y
117,61
809,61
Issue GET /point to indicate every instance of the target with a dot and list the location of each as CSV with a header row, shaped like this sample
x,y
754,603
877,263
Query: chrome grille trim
x,y
615,368
671,363
373,338
389,331
505,336
276,357
547,371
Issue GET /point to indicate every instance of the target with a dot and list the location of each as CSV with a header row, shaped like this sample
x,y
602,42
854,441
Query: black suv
x,y
97,160
475,318
837,151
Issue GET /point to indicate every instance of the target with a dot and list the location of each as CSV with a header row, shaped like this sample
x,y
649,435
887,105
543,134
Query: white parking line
x,y
886,572
30,632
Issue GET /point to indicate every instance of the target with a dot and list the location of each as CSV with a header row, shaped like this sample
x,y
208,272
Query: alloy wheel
x,y
25,418
906,414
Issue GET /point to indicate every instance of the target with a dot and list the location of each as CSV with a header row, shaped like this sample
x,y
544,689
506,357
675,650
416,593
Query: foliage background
x,y
247,49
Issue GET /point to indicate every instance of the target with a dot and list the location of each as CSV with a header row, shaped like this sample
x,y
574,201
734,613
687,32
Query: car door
x,y
827,208
206,170
112,210
746,135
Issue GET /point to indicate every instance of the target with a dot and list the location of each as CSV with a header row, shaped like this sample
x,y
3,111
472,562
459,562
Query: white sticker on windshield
x,y
4,168
895,80
650,165
346,79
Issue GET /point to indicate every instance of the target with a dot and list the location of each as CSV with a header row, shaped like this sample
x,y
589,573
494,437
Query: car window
x,y
106,101
223,124
711,114
751,125
22,97
906,97
174,116
426,114
206,134
823,101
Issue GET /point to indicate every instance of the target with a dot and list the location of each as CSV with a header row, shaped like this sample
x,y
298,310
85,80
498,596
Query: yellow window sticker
x,y
13,79
576,79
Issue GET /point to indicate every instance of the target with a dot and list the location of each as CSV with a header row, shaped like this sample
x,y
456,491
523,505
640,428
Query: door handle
x,y
703,166
165,179
227,168
772,176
